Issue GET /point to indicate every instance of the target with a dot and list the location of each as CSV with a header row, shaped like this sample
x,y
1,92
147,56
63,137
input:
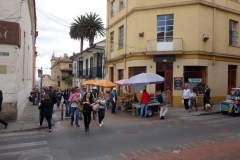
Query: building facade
x,y
17,55
186,42
46,80
61,68
89,64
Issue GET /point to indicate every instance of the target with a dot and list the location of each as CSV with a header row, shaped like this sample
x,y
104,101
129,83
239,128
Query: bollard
x,y
62,112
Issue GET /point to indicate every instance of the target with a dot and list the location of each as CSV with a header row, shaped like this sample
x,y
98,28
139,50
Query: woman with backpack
x,y
163,107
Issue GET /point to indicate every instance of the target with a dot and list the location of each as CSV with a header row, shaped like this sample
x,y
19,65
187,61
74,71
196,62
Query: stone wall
x,y
9,111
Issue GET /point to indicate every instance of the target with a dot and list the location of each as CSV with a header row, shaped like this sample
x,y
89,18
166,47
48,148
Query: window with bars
x,y
165,26
233,33
112,41
121,37
195,77
134,71
112,8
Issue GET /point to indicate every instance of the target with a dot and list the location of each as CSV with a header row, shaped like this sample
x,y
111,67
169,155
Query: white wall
x,y
17,83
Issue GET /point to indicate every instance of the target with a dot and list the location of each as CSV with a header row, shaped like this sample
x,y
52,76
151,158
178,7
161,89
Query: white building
x,y
89,64
17,54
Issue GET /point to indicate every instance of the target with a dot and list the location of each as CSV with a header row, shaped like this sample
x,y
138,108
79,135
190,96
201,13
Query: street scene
x,y
119,80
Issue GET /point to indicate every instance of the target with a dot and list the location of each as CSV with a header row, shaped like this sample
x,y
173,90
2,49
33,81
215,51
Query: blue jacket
x,y
113,94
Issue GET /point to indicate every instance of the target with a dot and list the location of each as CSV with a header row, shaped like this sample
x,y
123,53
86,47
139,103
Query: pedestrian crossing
x,y
15,144
214,120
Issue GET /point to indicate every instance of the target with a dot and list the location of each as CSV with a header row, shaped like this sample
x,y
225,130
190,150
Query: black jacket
x,y
207,94
86,107
52,96
46,108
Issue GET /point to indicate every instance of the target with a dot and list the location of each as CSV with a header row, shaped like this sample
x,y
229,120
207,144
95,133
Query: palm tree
x,y
75,30
92,27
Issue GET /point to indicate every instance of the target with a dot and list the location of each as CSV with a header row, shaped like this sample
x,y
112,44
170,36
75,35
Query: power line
x,y
51,27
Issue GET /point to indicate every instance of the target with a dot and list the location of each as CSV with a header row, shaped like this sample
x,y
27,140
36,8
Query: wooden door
x,y
111,74
232,70
120,77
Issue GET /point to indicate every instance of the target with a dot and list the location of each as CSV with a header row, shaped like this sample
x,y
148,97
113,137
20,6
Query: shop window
x,y
132,72
195,77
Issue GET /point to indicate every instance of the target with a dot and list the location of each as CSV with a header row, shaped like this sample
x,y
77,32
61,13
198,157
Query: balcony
x,y
165,45
97,72
80,74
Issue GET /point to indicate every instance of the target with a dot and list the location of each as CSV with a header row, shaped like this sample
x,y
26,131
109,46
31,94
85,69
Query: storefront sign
x,y
164,58
10,33
195,80
4,53
178,83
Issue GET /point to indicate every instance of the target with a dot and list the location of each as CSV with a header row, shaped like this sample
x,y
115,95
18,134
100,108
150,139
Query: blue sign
x,y
4,53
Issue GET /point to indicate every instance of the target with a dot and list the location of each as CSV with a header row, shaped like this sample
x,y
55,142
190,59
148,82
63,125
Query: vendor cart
x,y
152,107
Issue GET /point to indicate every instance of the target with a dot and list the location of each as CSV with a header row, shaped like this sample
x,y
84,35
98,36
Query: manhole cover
x,y
39,157
127,131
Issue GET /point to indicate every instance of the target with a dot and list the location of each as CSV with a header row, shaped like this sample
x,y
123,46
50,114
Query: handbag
x,y
81,109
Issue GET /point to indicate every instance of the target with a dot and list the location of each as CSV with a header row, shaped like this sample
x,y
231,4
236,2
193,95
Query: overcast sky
x,y
53,34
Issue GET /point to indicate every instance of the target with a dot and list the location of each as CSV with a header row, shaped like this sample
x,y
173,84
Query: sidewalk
x,y
29,120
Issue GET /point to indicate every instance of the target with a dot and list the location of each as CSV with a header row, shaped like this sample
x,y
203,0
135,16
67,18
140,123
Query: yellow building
x,y
187,42
46,80
61,68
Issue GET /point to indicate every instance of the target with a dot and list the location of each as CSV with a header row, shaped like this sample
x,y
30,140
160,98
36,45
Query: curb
x,y
29,129
209,113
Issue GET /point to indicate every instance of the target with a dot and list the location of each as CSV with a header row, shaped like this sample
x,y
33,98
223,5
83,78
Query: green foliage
x,y
68,80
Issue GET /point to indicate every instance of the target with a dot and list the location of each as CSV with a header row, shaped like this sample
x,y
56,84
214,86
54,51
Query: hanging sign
x,y
178,81
4,53
195,80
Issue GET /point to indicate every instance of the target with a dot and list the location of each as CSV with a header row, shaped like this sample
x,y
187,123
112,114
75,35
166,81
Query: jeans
x,y
74,109
58,102
143,107
163,110
48,120
87,119
113,107
186,104
67,109
101,115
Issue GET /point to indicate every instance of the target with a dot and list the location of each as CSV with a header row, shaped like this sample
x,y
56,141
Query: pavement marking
x,y
9,146
19,134
39,150
25,137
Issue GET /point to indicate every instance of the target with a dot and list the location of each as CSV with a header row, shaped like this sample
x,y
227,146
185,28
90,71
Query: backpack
x,y
160,98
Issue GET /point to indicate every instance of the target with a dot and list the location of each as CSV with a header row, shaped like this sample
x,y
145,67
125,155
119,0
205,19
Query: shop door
x,y
232,70
165,69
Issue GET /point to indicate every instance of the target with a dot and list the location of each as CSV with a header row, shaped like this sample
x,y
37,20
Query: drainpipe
x,y
214,31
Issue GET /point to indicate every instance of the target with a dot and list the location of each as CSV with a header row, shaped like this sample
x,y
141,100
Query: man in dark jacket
x,y
206,97
52,95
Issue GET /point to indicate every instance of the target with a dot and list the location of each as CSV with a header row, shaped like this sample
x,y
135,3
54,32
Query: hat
x,y
114,89
84,87
94,88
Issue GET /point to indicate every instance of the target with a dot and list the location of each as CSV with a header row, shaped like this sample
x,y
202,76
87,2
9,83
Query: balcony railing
x,y
80,73
171,44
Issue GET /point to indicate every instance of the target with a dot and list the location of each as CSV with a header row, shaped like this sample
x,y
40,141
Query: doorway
x,y
165,69
232,70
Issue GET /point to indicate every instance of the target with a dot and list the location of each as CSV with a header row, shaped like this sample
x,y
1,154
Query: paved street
x,y
124,136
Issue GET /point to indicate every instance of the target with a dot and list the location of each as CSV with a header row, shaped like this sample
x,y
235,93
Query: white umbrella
x,y
144,79
120,82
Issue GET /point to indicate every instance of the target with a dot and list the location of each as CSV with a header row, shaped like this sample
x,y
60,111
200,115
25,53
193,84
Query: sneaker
x,y
77,125
162,117
6,126
49,130
100,125
86,129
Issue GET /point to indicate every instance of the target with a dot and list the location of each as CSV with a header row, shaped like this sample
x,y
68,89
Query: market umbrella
x,y
120,82
144,79
89,83
104,83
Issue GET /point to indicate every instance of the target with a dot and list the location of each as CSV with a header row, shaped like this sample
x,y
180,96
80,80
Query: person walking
x,y
52,95
1,100
95,94
102,106
113,99
193,101
186,96
74,99
163,106
87,109
59,95
144,101
46,110
206,98
67,103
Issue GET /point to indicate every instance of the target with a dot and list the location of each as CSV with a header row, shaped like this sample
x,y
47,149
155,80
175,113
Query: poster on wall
x,y
178,81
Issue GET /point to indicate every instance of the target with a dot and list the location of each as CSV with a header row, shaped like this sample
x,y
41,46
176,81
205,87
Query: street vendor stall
x,y
232,103
152,106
